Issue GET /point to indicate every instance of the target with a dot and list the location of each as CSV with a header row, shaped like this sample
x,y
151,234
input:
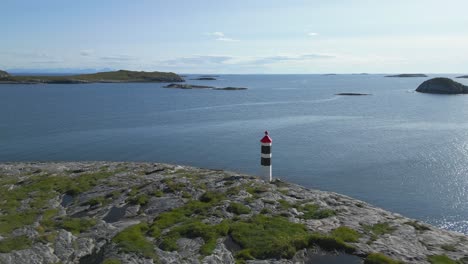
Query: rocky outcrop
x,y
187,86
408,75
191,86
442,86
463,76
4,74
179,214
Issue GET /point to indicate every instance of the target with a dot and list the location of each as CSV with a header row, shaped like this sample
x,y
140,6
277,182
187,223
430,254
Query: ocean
x,y
397,149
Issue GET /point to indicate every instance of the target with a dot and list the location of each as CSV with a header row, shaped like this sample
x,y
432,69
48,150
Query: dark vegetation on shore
x,y
102,77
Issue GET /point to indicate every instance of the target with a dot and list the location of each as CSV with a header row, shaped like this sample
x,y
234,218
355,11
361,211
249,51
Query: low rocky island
x,y
120,212
205,79
121,76
463,76
405,75
353,94
442,86
191,86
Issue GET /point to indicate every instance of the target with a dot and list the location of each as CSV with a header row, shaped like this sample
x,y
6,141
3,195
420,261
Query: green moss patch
x,y
238,208
265,237
378,258
112,261
37,191
377,230
346,234
141,199
418,226
313,211
209,233
132,239
441,259
14,243
77,225
330,243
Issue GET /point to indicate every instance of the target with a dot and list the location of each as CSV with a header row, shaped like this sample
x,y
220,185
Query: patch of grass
x,y
417,225
96,201
112,261
194,229
330,243
186,195
77,225
346,234
14,243
441,259
379,258
141,199
377,230
269,237
172,186
285,205
256,189
233,190
85,182
14,220
313,211
265,211
212,197
179,215
158,193
132,239
238,208
114,194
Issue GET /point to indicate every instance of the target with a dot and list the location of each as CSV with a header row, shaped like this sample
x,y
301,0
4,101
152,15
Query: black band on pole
x,y
266,149
266,161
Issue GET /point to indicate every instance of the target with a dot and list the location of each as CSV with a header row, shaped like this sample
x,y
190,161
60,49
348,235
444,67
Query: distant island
x,y
442,86
191,86
352,94
463,76
408,75
205,79
121,76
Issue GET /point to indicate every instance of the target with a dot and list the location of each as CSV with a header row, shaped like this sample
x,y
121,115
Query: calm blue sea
x,y
397,149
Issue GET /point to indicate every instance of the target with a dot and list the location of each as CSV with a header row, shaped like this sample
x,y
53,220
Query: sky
x,y
236,36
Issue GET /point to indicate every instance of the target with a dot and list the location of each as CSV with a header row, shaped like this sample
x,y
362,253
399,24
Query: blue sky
x,y
243,36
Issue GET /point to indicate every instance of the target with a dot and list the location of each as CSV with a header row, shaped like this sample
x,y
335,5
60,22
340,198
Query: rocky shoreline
x,y
122,212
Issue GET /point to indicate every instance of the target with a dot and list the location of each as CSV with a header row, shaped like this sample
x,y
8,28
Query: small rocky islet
x,y
122,212
442,86
192,86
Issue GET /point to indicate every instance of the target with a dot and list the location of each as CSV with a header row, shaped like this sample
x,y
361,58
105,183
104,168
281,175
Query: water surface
x,y
400,150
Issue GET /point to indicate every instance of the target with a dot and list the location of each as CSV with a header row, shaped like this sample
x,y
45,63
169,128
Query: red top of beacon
x,y
266,138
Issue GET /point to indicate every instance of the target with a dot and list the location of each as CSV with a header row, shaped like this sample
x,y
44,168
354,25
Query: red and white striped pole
x,y
266,157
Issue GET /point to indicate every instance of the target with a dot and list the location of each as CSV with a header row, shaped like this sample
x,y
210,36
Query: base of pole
x,y
266,173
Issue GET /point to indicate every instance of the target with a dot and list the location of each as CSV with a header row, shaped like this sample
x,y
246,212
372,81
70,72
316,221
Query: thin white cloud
x,y
312,34
86,53
117,58
242,61
220,36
